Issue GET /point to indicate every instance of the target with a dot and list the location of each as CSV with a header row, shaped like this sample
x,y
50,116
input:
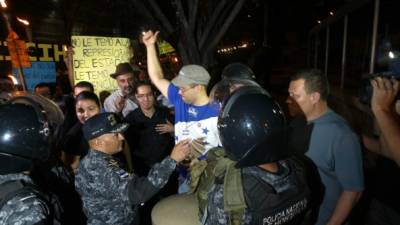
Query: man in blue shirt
x,y
334,148
195,118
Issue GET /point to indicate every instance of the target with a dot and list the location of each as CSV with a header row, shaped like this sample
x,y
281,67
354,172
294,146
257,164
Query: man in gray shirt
x,y
334,148
120,100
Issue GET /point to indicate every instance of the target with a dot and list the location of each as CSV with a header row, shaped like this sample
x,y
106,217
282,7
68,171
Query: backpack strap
x,y
219,169
10,189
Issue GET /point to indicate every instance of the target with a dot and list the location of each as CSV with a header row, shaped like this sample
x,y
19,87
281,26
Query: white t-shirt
x,y
109,103
198,123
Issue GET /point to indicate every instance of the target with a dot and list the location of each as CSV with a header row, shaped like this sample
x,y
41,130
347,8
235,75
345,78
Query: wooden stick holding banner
x,y
16,48
19,55
69,59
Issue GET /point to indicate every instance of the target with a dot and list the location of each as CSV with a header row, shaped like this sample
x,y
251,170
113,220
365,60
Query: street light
x,y
12,38
3,4
28,30
4,14
25,22
14,80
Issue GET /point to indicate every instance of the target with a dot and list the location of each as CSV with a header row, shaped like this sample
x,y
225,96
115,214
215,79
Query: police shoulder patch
x,y
123,174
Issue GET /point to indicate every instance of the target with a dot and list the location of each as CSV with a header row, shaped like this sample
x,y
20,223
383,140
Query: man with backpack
x,y
252,180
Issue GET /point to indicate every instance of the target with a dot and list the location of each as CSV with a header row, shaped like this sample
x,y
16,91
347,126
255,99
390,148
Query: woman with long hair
x,y
73,145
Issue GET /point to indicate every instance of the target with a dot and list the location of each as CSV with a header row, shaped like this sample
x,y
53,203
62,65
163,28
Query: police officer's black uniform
x,y
252,132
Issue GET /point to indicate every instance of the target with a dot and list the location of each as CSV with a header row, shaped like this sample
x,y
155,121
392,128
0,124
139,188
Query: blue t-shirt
x,y
198,123
335,150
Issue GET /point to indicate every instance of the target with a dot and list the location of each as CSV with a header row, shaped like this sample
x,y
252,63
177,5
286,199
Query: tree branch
x,y
218,24
183,53
199,30
211,23
192,50
181,14
161,16
193,8
224,28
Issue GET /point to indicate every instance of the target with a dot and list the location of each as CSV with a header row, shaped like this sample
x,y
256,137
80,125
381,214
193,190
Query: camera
x,y
365,92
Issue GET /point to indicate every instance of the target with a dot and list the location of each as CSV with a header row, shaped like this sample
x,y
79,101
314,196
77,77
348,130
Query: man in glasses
x,y
150,138
195,117
149,134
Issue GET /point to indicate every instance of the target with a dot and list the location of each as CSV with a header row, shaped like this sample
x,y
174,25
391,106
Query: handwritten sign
x,y
18,53
164,47
40,72
95,58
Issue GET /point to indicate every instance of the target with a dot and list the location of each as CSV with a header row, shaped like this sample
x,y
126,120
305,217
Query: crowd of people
x,y
232,154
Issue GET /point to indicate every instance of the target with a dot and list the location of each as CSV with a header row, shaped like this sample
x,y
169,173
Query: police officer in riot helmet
x,y
237,71
24,141
251,180
30,177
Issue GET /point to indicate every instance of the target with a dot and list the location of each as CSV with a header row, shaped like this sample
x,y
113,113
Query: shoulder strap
x,y
255,190
266,200
219,169
10,189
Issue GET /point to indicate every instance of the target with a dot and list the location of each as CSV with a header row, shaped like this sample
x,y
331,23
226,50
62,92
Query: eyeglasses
x,y
185,89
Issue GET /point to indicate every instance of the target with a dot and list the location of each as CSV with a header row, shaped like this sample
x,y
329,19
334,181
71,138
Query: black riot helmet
x,y
237,71
252,127
24,136
27,126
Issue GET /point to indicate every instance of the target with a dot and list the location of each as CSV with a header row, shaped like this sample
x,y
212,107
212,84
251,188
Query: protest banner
x,y
39,72
164,47
37,52
95,58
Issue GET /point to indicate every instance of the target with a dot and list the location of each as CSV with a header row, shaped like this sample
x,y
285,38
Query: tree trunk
x,y
222,31
195,36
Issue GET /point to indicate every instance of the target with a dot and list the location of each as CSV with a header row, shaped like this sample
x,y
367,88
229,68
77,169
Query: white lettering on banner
x,y
286,214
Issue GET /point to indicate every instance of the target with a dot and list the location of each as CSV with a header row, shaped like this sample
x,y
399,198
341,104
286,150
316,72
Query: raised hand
x,y
149,37
120,103
384,94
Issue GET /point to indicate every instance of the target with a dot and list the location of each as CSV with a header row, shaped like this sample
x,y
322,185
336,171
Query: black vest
x,y
267,206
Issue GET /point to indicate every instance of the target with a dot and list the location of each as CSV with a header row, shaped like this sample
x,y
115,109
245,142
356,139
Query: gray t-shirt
x,y
335,150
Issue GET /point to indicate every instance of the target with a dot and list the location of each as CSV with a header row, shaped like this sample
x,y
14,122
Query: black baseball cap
x,y
103,123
